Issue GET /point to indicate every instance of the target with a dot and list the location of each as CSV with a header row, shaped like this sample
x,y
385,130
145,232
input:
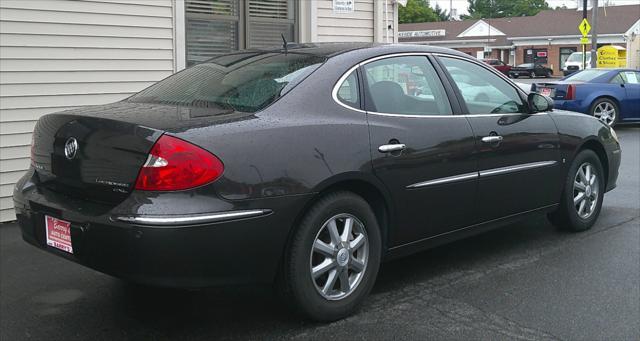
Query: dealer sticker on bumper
x,y
58,233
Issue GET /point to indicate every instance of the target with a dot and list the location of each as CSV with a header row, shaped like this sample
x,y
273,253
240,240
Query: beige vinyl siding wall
x,y
366,24
356,26
59,54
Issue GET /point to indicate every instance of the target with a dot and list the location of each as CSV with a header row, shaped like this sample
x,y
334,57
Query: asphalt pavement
x,y
526,281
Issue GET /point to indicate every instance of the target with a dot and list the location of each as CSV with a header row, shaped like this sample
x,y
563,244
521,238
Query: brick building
x,y
546,38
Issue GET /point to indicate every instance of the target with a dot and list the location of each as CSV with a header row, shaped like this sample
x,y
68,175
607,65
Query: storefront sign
x,y
541,54
426,33
343,6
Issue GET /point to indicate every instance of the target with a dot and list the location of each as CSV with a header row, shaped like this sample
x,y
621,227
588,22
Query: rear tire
x,y
606,110
532,74
351,268
582,196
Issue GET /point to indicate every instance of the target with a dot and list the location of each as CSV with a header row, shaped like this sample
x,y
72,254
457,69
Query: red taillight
x,y
174,164
571,92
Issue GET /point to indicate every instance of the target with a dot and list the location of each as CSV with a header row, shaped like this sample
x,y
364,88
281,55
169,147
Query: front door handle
x,y
492,139
388,148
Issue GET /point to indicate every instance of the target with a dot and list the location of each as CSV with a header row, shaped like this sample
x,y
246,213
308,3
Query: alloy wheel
x,y
339,256
605,112
585,190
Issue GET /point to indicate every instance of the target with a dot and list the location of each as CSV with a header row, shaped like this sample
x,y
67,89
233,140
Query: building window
x,y
214,27
536,56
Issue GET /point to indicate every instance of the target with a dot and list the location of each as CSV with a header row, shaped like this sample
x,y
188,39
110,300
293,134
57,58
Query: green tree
x,y
479,9
441,13
416,11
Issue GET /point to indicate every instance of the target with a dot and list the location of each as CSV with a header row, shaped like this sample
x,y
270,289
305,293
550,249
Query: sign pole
x,y
584,52
594,35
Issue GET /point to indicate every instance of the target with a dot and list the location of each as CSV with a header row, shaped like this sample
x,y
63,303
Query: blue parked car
x,y
612,95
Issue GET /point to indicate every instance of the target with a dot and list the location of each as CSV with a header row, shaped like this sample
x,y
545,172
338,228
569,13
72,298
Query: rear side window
x,y
348,92
246,82
405,85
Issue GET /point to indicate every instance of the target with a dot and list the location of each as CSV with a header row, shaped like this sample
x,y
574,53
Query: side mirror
x,y
539,103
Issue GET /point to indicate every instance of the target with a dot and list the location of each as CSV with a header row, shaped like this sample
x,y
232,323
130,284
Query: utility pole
x,y
594,34
584,47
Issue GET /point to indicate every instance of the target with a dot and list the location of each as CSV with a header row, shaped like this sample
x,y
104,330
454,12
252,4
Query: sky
x,y
461,5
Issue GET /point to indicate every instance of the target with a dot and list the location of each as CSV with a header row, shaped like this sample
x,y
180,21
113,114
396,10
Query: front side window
x,y
483,91
405,85
246,82
631,77
348,92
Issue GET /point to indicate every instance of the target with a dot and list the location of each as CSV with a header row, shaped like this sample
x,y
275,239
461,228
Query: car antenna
x,y
284,44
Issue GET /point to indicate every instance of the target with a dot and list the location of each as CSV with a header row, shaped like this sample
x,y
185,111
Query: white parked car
x,y
574,63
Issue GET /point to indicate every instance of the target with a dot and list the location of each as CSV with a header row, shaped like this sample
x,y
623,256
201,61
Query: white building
x,y
60,54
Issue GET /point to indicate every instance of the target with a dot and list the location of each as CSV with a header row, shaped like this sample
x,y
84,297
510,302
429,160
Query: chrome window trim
x,y
334,92
444,180
480,174
336,87
191,219
516,168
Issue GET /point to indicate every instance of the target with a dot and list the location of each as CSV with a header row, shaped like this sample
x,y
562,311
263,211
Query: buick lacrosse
x,y
306,166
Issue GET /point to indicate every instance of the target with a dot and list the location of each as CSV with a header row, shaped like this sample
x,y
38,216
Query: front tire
x,y
332,261
532,74
583,193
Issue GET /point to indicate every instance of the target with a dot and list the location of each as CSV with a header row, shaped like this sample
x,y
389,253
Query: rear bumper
x,y
232,251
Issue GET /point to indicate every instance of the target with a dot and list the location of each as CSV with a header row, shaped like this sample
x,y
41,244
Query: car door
x,y
419,149
631,102
518,153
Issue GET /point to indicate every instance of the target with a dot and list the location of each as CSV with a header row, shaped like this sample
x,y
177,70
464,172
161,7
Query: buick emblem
x,y
71,148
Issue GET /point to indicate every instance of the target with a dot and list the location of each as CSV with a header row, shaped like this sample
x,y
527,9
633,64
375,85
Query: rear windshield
x,y
246,82
586,75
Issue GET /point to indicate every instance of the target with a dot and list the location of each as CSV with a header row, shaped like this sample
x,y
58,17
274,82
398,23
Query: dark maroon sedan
x,y
306,166
499,65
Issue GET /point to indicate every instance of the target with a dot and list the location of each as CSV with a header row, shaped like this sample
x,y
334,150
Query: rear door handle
x,y
387,148
492,139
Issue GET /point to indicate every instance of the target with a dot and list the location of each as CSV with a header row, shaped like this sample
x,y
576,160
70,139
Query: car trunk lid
x,y
90,158
555,90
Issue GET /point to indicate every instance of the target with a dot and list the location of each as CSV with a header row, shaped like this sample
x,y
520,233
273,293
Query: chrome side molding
x,y
446,180
516,168
484,173
190,219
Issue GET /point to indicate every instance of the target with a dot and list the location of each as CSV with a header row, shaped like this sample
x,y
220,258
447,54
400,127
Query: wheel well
x,y
601,97
602,155
370,193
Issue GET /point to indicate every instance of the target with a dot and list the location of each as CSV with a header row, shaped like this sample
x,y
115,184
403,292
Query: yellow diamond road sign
x,y
584,27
